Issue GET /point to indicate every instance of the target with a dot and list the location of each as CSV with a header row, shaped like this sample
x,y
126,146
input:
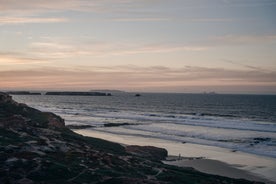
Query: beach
x,y
215,167
207,159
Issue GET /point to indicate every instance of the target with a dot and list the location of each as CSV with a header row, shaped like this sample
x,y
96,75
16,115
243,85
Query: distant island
x,y
23,93
74,93
108,91
209,93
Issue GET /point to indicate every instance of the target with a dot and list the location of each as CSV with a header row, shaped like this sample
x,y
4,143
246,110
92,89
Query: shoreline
x,y
57,154
214,167
263,168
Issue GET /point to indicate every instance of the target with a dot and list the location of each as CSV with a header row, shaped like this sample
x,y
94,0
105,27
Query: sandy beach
x,y
214,167
213,160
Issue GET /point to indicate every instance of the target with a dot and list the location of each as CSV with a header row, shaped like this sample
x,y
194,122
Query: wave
x,y
257,145
193,120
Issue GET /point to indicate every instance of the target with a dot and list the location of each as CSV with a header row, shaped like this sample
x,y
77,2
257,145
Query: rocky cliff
x,y
15,115
36,147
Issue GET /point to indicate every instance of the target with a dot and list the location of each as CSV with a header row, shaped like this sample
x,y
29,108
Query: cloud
x,y
132,77
54,50
242,39
66,48
40,6
208,20
55,47
233,40
245,65
35,6
160,19
158,48
25,20
51,48
125,10
122,10
141,19
248,3
140,11
13,58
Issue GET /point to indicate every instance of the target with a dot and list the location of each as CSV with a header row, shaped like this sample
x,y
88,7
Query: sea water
x,y
244,123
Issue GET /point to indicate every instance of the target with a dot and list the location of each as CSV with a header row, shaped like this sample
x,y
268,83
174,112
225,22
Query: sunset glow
x,y
227,46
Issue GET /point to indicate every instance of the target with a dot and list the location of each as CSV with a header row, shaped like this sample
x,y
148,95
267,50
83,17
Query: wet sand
x,y
214,167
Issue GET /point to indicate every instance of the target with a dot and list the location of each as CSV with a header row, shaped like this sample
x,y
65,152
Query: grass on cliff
x,y
9,109
96,143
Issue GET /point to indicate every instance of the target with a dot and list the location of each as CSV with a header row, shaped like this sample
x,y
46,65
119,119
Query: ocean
x,y
245,123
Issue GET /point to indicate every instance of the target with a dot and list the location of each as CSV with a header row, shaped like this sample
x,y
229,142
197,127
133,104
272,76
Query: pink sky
x,y
154,45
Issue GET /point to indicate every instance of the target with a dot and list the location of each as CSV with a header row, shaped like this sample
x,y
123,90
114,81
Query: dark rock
x,y
54,120
5,98
13,114
115,124
262,139
25,181
149,152
79,126
125,180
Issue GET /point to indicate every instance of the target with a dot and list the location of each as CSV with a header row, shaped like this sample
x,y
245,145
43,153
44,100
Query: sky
x,y
183,46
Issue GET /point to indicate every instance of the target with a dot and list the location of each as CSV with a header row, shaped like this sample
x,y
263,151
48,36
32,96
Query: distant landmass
x,y
108,91
23,93
209,93
73,93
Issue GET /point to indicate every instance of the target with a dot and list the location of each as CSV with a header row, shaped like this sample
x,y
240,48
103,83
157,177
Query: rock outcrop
x,y
36,147
5,98
13,114
149,152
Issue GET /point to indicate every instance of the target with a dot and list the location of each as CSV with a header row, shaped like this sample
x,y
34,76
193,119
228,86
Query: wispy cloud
x,y
58,48
158,48
245,65
66,48
142,19
242,39
117,5
54,50
248,3
134,77
234,40
124,10
13,58
35,6
26,20
160,19
208,20
38,6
